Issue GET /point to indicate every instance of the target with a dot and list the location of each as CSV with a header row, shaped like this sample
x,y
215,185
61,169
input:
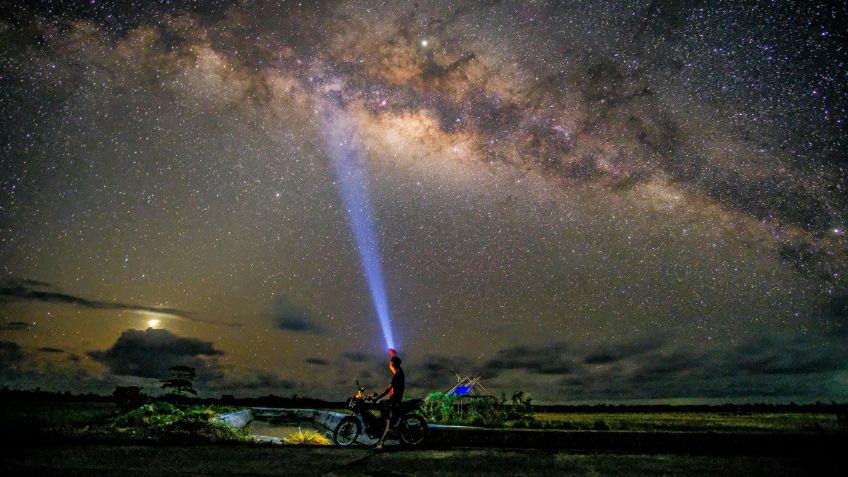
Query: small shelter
x,y
468,386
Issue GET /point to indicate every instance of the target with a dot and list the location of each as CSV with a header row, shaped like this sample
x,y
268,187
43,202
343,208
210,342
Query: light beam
x,y
352,181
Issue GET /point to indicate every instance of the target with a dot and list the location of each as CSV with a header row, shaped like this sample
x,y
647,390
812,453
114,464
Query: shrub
x,y
485,411
307,438
166,422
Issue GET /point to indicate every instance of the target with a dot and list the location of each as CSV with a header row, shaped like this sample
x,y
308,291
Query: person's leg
x,y
388,418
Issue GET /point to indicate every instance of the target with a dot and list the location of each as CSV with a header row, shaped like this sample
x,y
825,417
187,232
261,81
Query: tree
x,y
127,397
181,382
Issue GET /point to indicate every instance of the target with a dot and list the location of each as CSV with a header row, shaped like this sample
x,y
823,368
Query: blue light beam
x,y
352,182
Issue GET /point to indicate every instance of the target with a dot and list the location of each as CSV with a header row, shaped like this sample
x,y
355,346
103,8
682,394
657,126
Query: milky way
x,y
587,201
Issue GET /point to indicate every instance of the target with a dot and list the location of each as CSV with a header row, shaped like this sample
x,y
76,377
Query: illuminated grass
x,y
306,438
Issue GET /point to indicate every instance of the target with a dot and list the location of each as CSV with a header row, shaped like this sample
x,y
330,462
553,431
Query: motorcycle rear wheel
x,y
347,431
412,429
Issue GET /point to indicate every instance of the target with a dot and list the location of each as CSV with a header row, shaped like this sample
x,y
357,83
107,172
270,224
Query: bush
x,y
486,411
166,422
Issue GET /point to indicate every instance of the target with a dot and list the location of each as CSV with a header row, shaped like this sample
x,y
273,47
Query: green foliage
x,y
166,422
486,411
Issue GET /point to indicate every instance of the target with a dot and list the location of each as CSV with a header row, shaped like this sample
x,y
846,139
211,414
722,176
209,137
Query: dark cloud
x,y
10,354
760,366
317,361
15,326
555,358
438,371
23,290
249,382
608,353
662,366
768,355
151,352
290,317
48,349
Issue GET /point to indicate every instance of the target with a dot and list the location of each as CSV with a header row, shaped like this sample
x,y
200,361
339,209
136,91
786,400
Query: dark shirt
x,y
398,383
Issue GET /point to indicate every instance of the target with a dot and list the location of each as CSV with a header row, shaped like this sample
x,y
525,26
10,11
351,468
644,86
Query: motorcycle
x,y
408,425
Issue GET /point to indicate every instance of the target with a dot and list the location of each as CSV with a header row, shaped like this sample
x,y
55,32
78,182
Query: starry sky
x,y
593,201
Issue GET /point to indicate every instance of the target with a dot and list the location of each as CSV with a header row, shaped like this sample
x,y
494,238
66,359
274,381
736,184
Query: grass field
x,y
693,421
83,418
61,418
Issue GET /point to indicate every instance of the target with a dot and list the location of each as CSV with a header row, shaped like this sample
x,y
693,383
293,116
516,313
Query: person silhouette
x,y
391,406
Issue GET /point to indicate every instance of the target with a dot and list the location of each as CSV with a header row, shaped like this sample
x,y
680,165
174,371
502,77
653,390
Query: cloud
x,y
761,366
290,317
651,366
32,290
48,349
612,352
248,381
10,354
15,326
151,352
439,371
769,355
554,358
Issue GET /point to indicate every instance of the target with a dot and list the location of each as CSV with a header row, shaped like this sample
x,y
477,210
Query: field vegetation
x,y
480,411
691,421
518,412
100,421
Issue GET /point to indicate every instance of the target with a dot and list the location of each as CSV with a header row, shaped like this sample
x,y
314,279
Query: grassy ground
x,y
689,421
104,421
60,421
63,418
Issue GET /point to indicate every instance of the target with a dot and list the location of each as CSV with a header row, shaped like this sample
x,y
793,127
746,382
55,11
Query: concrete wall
x,y
238,419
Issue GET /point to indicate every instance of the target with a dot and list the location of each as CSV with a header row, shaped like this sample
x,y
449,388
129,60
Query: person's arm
x,y
387,391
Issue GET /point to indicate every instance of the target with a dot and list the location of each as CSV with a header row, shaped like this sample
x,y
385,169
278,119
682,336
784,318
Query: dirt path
x,y
78,460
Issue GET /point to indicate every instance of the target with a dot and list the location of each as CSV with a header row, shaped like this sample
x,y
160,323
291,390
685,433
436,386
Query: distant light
x,y
424,43
153,323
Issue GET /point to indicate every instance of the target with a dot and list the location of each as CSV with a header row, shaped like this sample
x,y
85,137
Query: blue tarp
x,y
461,391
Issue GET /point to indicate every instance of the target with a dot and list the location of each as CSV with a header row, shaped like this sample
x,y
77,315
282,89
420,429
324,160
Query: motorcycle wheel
x,y
347,431
412,428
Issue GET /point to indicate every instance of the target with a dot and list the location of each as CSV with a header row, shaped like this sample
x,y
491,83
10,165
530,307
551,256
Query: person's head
x,y
394,364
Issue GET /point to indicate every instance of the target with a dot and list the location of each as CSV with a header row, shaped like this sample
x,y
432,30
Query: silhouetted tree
x,y
181,382
127,397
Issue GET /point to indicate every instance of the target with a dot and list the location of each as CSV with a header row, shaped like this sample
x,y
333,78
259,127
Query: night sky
x,y
589,201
